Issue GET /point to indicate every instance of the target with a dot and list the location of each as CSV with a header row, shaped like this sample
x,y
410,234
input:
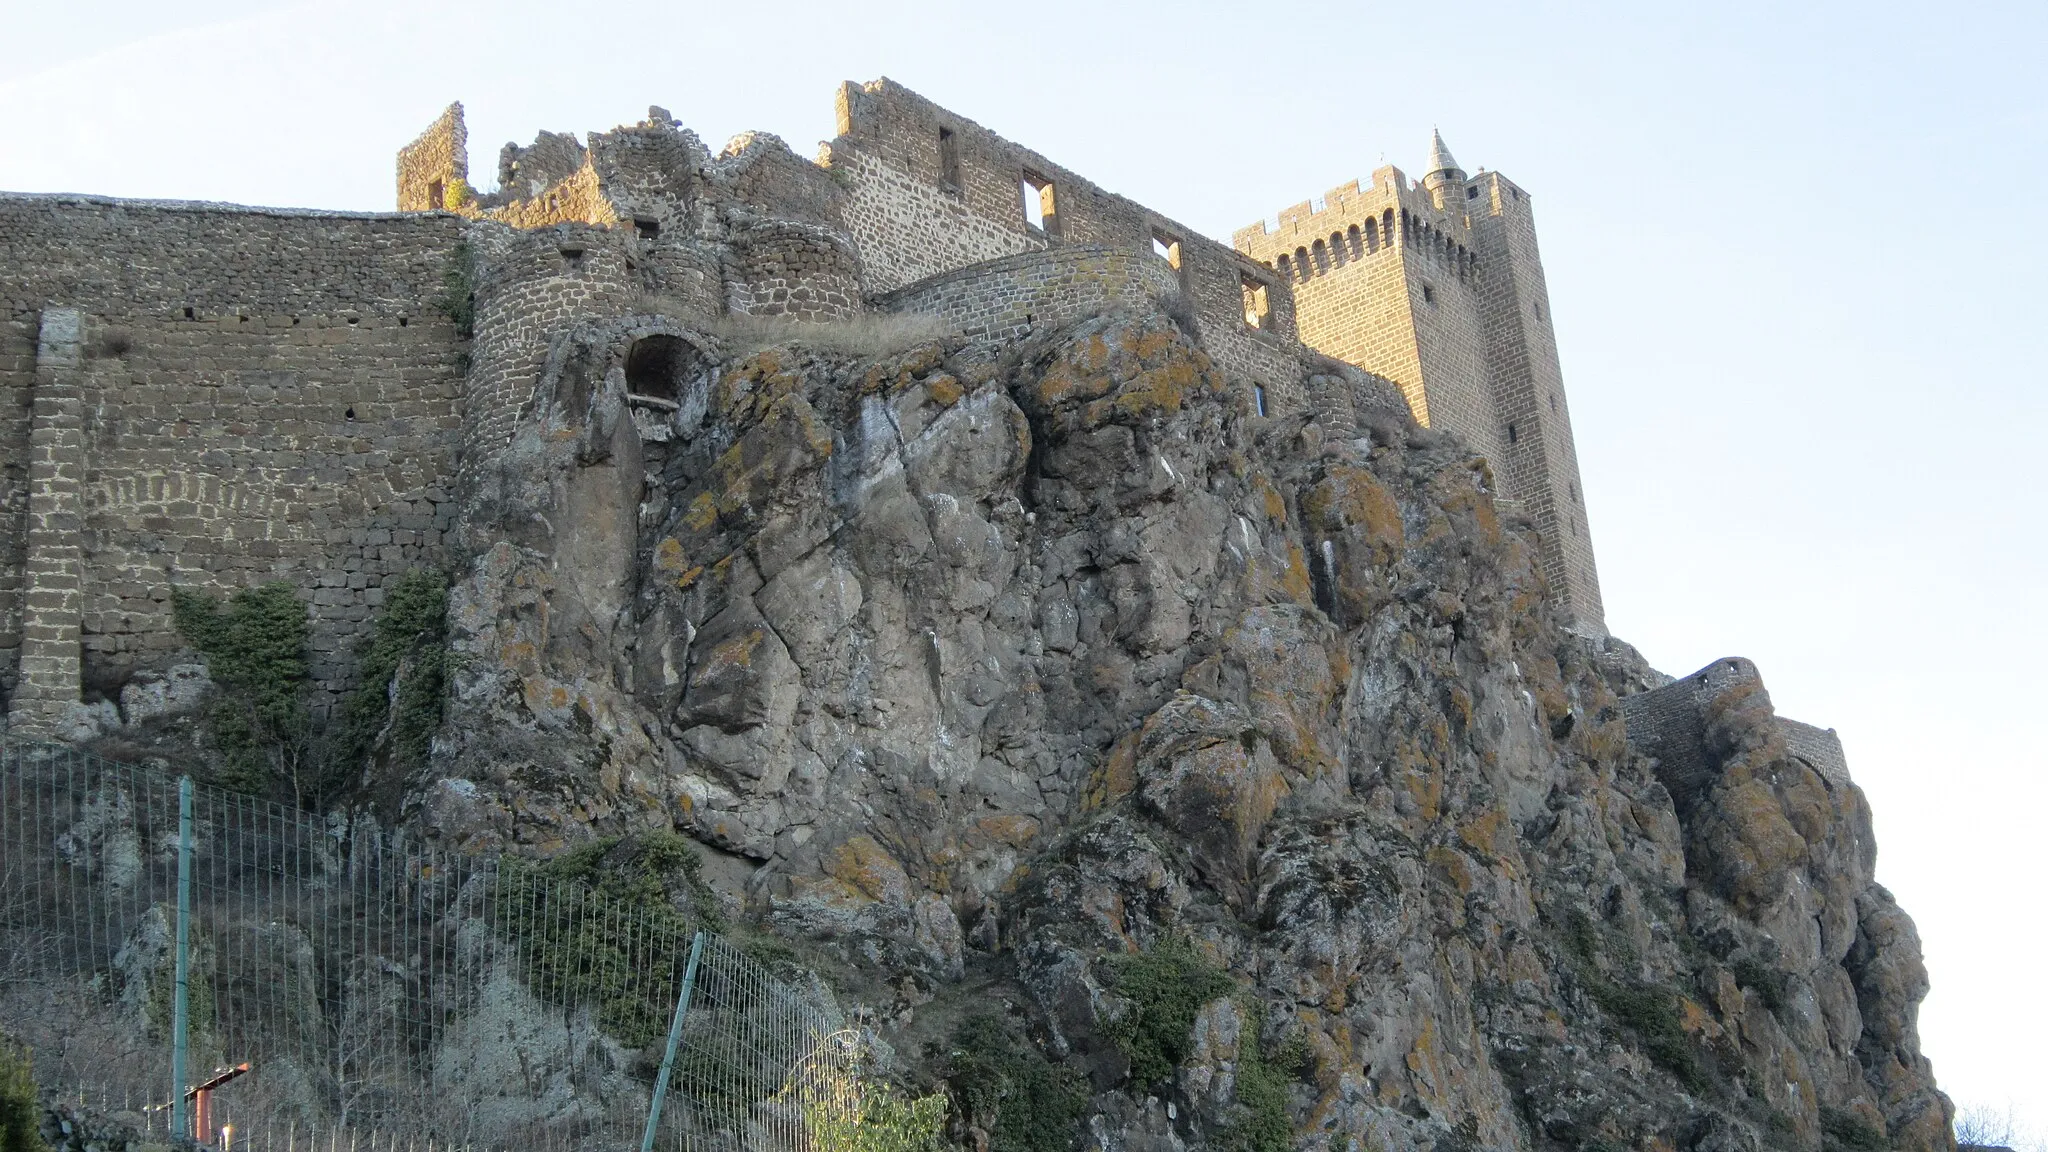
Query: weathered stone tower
x,y
1438,287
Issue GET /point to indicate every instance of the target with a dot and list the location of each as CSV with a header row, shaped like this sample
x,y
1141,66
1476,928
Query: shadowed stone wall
x,y
254,395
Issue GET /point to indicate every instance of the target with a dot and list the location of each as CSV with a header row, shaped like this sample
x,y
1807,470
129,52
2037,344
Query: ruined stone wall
x,y
1670,723
758,170
260,395
530,287
802,271
433,170
1005,300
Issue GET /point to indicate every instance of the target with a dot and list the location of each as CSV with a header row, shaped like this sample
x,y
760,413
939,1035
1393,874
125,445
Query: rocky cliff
x,y
1231,768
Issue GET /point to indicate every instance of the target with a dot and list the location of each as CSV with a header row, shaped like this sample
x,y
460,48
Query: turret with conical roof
x,y
1442,170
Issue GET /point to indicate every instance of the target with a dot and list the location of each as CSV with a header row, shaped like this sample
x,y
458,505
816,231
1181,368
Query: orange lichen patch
x,y
868,870
750,389
790,439
1454,866
1014,829
1463,502
669,558
1146,343
1459,703
1294,577
1349,497
1118,775
946,391
734,653
1485,835
1276,504
1695,1019
517,653
544,695
702,513
1159,389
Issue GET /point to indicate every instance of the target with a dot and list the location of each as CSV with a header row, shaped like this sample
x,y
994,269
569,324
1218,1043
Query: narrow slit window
x,y
1428,294
949,159
1513,434
1259,398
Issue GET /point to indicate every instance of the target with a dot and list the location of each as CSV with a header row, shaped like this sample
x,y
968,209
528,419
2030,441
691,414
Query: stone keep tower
x,y
1438,287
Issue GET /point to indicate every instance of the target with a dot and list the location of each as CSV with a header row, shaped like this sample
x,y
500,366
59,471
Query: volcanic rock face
x,y
978,673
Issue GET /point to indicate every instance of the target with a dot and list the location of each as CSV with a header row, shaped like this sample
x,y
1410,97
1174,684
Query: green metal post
x,y
180,1120
675,1035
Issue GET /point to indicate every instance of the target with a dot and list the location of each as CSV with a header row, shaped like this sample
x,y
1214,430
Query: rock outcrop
x,y
977,671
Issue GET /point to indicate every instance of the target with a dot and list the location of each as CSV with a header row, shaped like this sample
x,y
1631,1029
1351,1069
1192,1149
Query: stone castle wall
x,y
928,192
252,395
1540,457
999,301
246,394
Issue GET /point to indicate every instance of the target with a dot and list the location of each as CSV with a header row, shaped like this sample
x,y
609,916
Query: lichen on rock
x,y
982,672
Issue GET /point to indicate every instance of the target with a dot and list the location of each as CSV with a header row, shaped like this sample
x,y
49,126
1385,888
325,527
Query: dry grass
x,y
868,334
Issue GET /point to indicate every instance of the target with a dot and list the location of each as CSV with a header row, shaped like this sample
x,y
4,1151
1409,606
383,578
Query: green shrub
x,y
1767,982
401,674
1262,1079
1166,987
255,649
21,1109
1844,1130
595,920
1647,1009
457,300
1029,1103
887,1122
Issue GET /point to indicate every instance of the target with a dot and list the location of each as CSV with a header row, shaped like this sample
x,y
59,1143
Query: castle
x,y
207,395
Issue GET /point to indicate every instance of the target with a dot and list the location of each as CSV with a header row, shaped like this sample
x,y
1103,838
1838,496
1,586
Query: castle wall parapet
x,y
1006,299
1671,724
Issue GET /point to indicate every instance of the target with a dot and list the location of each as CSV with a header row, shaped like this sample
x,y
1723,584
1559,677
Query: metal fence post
x,y
179,1119
675,1034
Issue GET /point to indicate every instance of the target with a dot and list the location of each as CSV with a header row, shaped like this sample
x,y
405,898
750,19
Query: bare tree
x,y
1982,1126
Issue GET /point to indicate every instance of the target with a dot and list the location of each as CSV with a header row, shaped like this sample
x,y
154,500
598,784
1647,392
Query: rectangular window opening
x,y
1166,248
437,194
1513,435
1428,294
1259,398
1040,211
1257,305
646,229
1472,192
949,159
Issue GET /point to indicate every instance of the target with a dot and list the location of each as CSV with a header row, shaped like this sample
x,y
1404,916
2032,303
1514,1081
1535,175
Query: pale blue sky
x,y
1794,256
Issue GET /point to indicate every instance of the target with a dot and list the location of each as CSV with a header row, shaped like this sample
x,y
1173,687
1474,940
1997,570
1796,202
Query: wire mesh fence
x,y
384,994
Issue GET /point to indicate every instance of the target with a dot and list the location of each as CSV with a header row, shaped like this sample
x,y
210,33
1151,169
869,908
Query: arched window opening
x,y
1357,240
1302,268
1340,252
1387,228
1372,235
656,366
1286,266
1322,258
